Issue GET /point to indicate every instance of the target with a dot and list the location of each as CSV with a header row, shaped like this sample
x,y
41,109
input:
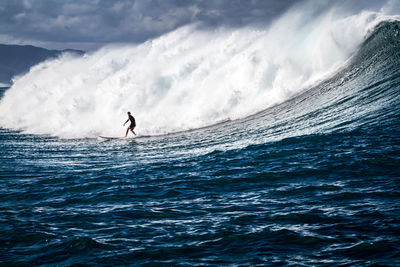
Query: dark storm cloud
x,y
104,21
96,22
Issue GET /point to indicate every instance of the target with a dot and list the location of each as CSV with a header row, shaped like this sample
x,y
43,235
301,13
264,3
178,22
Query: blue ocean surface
x,y
313,181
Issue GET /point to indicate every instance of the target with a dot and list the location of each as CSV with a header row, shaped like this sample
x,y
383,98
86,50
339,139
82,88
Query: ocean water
x,y
313,179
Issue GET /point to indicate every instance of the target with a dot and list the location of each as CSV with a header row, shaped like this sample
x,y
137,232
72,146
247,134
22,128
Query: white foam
x,y
185,79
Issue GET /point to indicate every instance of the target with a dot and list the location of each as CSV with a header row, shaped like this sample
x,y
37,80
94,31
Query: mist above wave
x,y
185,79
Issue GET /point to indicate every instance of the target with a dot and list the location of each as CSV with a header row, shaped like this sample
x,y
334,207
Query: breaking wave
x,y
186,79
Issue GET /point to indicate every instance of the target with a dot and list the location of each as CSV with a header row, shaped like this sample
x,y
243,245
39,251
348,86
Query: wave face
x,y
186,79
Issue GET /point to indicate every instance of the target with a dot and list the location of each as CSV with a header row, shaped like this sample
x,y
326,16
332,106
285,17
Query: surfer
x,y
132,126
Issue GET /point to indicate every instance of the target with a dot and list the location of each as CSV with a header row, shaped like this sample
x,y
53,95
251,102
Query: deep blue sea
x,y
314,181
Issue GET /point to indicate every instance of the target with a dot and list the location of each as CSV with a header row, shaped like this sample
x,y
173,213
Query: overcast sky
x,y
88,24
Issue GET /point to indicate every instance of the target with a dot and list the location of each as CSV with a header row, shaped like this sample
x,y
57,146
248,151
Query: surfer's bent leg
x,y
131,128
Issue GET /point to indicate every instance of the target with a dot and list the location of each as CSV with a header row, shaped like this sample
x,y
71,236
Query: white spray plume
x,y
185,79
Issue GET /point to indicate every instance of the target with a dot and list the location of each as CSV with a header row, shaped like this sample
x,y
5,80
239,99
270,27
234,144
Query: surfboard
x,y
112,137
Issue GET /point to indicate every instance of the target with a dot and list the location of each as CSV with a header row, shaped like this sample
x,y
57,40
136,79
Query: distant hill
x,y
17,59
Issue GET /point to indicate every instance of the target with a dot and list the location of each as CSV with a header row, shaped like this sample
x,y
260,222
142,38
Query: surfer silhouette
x,y
132,126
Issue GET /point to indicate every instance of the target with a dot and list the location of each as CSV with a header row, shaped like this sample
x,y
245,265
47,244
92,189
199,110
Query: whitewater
x,y
187,79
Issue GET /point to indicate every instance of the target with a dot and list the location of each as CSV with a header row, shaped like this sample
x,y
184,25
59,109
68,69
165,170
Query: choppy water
x,y
313,181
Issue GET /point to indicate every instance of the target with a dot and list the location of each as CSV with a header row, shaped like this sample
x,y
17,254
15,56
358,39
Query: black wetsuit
x,y
133,123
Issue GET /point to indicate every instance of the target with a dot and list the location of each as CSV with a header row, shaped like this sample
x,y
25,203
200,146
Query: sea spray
x,y
189,78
